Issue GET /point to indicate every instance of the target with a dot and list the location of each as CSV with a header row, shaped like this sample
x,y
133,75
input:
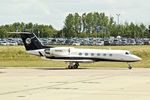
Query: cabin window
x,y
110,54
92,54
86,54
98,54
127,53
80,54
104,54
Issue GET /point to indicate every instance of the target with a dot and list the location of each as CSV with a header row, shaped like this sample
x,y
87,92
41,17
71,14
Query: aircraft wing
x,y
75,60
72,60
80,61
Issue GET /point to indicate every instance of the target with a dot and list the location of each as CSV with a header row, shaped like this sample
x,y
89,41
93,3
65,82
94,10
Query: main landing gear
x,y
129,66
73,65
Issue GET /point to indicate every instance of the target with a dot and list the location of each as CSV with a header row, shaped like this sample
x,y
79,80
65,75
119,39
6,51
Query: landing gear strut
x,y
129,66
73,65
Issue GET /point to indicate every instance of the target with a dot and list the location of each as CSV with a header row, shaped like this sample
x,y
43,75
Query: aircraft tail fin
x,y
31,42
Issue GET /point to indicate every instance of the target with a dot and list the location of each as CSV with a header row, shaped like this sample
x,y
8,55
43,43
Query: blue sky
x,y
54,11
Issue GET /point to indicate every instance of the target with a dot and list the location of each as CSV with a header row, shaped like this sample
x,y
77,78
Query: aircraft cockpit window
x,y
127,53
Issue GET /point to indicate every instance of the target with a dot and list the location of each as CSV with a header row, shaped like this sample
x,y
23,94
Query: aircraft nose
x,y
137,58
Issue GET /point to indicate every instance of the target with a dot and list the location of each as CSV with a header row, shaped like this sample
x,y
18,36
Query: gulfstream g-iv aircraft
x,y
74,55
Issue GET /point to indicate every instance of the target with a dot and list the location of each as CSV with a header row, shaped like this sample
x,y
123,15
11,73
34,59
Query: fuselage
x,y
67,53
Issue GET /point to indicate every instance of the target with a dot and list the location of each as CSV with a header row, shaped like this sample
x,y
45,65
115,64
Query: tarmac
x,y
79,84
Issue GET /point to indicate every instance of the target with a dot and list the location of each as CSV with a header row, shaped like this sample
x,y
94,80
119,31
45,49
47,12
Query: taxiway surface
x,y
80,84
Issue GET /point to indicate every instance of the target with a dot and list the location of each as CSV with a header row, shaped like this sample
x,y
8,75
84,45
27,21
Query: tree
x,y
69,28
77,23
95,23
142,29
149,28
132,30
89,26
45,30
83,22
3,32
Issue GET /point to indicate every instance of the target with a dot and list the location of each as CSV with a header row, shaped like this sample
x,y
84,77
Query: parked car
x,y
3,43
139,42
13,43
100,43
76,43
131,41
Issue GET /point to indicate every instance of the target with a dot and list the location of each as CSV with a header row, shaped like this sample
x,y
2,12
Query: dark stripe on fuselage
x,y
40,53
83,58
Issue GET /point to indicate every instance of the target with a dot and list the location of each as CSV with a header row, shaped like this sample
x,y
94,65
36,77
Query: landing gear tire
x,y
75,66
70,67
129,66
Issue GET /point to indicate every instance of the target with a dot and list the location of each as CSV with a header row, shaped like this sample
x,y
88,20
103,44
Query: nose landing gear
x,y
129,66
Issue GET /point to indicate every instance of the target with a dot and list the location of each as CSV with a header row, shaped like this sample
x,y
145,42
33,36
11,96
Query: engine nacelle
x,y
57,52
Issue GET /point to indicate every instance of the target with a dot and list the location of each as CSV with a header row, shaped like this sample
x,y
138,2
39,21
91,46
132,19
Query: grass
x,y
15,56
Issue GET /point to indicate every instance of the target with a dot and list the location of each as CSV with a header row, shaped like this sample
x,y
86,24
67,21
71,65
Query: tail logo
x,y
28,41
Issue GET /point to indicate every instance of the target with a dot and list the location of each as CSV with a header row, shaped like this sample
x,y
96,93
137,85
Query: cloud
x,y
54,11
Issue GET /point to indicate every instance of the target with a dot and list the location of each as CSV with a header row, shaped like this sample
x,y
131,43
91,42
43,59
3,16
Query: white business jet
x,y
74,55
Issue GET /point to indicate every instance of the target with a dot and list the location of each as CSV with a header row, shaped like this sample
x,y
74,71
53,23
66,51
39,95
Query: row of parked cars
x,y
96,41
11,41
81,41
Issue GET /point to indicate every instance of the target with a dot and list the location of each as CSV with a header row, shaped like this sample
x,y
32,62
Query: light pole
x,y
62,33
38,33
103,28
118,16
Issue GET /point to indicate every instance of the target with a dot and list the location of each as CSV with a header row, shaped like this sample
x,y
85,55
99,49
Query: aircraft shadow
x,y
60,68
2,72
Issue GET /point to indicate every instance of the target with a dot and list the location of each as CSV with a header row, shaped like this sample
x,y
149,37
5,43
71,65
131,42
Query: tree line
x,y
85,25
39,30
99,25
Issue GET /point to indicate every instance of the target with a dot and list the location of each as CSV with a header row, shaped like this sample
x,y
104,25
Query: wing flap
x,y
80,61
